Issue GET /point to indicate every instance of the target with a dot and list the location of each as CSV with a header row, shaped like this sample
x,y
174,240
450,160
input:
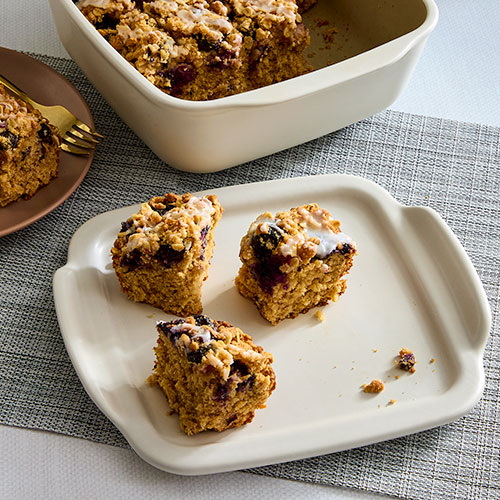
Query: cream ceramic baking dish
x,y
361,71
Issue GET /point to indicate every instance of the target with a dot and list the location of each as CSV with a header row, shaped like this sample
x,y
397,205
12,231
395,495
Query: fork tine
x,y
87,129
76,142
76,133
74,151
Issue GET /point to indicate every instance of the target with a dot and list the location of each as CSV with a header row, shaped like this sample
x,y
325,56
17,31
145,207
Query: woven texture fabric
x,y
449,166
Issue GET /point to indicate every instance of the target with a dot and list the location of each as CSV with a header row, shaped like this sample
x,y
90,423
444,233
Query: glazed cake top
x,y
170,25
170,219
306,231
213,344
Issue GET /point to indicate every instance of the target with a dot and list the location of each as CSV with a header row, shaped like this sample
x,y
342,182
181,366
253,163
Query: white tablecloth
x,y
458,77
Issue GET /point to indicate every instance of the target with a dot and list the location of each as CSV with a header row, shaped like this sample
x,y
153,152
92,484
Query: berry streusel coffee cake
x,y
162,253
294,261
205,49
212,373
29,149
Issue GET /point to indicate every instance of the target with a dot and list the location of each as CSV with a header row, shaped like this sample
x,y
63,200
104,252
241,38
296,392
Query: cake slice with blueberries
x,y
294,261
212,374
29,149
162,253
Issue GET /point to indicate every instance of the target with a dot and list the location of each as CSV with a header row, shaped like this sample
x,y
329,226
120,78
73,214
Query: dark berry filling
x,y
264,244
163,211
347,248
181,75
268,273
197,356
202,320
45,134
167,256
247,383
407,361
131,260
166,328
240,368
12,138
126,225
206,45
106,23
222,393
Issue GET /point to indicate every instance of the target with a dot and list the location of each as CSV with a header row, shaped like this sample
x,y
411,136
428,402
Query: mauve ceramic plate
x,y
46,86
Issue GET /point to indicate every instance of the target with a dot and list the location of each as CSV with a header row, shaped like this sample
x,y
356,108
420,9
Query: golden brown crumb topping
x,y
212,344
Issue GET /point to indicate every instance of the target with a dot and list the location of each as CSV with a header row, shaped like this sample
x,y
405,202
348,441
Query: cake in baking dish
x,y
205,49
294,261
29,149
213,375
162,253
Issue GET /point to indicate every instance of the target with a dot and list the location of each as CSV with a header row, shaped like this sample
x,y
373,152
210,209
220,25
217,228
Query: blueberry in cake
x,y
29,149
213,375
294,261
162,253
205,49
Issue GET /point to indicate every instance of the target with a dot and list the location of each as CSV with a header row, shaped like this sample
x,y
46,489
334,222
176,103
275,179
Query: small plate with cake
x,y
55,183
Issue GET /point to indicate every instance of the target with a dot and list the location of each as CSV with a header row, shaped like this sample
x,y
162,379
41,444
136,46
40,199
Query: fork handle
x,y
15,90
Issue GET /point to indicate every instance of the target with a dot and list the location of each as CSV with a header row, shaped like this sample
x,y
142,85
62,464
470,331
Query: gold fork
x,y
69,126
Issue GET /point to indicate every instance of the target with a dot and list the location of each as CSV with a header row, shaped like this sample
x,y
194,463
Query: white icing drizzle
x,y
199,333
315,225
248,354
125,32
201,207
102,4
328,241
149,222
193,15
279,8
289,249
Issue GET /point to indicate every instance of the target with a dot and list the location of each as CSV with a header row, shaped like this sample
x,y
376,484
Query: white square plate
x,y
412,285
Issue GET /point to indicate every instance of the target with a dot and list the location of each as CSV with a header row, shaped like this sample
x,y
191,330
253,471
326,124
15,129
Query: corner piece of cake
x,y
294,261
162,253
212,373
29,149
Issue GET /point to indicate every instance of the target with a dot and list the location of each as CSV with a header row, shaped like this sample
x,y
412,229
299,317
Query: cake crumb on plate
x,y
375,386
406,360
319,315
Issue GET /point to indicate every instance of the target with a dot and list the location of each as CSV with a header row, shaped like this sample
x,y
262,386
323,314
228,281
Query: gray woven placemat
x,y
450,166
